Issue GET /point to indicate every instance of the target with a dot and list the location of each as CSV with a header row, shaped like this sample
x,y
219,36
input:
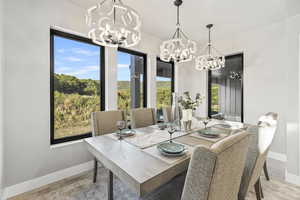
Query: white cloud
x,y
85,52
123,66
61,50
61,70
82,70
72,59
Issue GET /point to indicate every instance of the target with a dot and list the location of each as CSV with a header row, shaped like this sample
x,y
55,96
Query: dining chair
x,y
104,122
167,114
214,173
257,154
142,117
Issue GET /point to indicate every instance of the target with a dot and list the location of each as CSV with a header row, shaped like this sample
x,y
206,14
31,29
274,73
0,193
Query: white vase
x,y
187,115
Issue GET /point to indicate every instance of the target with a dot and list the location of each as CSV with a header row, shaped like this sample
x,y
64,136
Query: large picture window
x,y
77,85
132,79
164,85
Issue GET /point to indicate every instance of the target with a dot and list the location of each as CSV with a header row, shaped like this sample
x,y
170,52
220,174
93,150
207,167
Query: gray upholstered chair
x,y
256,157
167,114
214,173
142,117
104,122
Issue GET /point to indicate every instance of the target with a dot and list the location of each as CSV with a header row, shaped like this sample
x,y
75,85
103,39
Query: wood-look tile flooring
x,y
81,187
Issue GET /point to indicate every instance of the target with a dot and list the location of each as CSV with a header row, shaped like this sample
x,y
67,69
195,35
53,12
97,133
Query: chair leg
x,y
266,171
257,189
261,190
95,170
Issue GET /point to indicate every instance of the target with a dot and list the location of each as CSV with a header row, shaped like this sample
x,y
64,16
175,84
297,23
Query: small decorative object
x,y
121,125
179,48
188,106
212,58
235,75
113,24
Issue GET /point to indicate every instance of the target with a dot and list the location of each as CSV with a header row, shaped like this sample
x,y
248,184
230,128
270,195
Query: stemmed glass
x,y
121,125
171,130
205,121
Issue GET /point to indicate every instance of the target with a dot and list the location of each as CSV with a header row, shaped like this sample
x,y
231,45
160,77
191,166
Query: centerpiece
x,y
188,105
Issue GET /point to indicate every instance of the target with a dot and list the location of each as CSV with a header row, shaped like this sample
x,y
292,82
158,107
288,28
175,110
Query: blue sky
x,y
82,60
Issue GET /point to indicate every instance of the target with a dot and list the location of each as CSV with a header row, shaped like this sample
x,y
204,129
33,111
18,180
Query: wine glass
x,y
171,130
205,121
121,125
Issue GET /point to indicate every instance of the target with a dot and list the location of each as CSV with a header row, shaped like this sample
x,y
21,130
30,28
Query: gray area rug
x,y
98,191
81,187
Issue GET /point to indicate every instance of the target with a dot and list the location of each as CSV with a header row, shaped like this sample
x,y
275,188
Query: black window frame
x,y
173,74
145,77
54,32
242,86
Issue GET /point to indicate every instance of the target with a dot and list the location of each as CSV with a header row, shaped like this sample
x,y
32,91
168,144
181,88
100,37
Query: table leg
x,y
110,186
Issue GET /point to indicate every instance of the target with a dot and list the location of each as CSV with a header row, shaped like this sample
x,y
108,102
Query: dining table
x,y
138,163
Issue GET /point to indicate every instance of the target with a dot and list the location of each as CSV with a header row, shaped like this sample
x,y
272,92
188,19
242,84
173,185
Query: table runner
x,y
149,136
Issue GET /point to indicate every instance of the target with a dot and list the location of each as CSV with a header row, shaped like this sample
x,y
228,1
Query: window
x,y
164,86
132,79
77,85
225,90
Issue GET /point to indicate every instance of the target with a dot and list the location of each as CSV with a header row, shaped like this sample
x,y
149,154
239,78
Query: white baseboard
x,y
277,156
45,180
292,178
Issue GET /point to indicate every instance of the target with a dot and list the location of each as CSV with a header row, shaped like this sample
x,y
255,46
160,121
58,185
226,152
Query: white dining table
x,y
137,162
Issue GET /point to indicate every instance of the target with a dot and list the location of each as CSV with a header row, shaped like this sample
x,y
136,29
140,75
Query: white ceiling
x,y
229,16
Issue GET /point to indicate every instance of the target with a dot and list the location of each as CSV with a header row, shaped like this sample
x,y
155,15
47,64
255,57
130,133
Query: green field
x,y
75,99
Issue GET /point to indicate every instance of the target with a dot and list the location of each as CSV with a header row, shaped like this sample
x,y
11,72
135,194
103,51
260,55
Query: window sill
x,y
54,146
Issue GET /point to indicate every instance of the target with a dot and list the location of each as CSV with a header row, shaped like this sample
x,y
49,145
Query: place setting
x,y
210,133
169,151
123,131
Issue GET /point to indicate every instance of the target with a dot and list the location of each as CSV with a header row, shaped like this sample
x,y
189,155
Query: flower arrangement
x,y
187,102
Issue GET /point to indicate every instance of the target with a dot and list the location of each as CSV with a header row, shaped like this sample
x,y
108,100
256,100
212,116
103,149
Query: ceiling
x,y
229,16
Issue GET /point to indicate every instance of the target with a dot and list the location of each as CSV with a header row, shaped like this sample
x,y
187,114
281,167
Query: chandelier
x,y
212,58
179,48
113,24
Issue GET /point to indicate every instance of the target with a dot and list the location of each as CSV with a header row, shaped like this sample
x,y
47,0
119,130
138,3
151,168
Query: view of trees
x,y
75,99
215,98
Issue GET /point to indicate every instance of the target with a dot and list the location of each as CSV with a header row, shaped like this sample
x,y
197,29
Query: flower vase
x,y
187,115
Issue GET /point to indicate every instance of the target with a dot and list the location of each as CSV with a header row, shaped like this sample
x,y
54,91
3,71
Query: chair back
x,y
167,114
215,173
104,122
260,144
142,117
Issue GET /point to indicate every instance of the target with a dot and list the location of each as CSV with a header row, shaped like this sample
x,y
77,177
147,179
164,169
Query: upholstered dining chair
x,y
214,172
257,154
104,122
167,114
142,117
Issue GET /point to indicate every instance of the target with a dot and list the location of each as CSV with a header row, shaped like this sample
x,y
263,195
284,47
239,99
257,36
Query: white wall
x,y
271,80
1,97
27,112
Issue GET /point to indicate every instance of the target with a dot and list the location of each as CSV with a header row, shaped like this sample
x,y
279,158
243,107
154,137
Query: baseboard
x,y
292,178
277,156
45,180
